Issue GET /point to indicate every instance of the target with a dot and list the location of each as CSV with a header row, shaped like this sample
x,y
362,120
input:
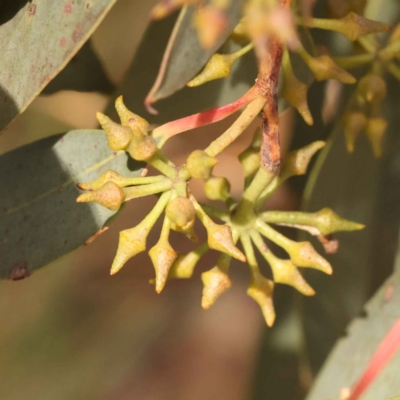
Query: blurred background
x,y
71,331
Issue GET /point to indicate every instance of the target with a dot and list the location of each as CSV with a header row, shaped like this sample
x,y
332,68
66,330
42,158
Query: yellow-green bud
x,y
108,176
131,242
215,282
284,271
261,290
375,131
217,188
327,222
353,123
323,68
109,195
118,136
199,164
296,162
181,213
184,265
303,254
128,118
218,67
162,256
220,239
372,88
142,148
295,91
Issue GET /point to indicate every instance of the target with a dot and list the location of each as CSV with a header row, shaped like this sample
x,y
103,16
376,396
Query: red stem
x,y
386,350
204,118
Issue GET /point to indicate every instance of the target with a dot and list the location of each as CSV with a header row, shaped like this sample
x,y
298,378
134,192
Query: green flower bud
x,y
215,282
130,119
217,188
181,213
200,165
296,162
372,88
184,265
109,195
375,131
131,242
295,91
220,239
142,148
118,136
353,123
162,256
303,254
285,272
261,290
324,68
218,67
108,176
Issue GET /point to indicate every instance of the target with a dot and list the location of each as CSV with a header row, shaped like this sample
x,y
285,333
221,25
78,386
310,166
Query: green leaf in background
x,y
37,42
184,56
144,70
351,355
84,73
40,220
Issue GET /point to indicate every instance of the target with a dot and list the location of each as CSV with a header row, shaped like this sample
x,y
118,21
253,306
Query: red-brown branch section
x,y
270,52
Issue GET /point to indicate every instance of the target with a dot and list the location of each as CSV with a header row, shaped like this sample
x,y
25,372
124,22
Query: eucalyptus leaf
x,y
40,220
83,73
37,42
184,56
144,70
352,354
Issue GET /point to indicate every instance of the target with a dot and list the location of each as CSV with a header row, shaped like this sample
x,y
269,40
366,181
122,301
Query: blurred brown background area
x,y
71,331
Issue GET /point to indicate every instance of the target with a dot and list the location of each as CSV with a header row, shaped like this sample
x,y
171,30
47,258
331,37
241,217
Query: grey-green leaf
x,y
40,220
84,73
37,42
351,355
184,56
143,73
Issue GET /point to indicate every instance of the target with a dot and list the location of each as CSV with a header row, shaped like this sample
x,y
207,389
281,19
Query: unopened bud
x,y
375,131
220,239
130,119
181,213
184,265
217,188
142,148
162,256
108,176
303,254
323,68
295,91
327,222
284,271
218,67
131,242
199,164
353,123
118,136
239,34
354,26
109,195
165,7
296,162
261,290
372,88
215,282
